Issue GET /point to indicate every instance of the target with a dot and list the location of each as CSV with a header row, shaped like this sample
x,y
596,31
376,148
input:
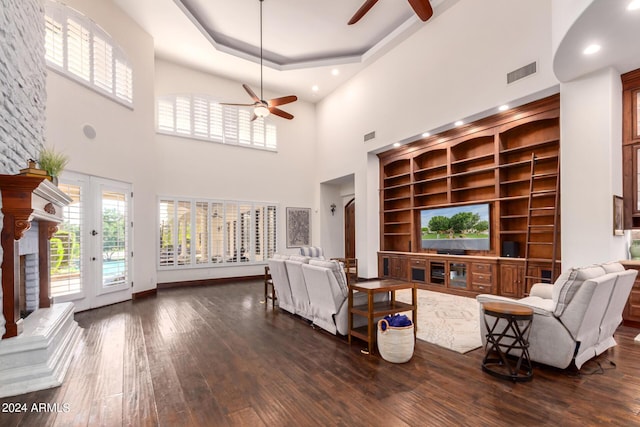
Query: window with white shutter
x,y
54,41
102,64
183,115
201,117
216,127
167,233
201,233
78,48
270,137
166,119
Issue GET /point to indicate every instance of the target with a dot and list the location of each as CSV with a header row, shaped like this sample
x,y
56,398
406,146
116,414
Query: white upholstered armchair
x,y
574,318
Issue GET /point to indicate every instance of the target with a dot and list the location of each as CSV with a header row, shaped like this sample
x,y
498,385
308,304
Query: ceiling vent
x,y
522,72
369,136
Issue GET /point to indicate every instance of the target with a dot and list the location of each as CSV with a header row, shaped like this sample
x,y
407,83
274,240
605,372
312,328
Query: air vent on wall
x,y
522,72
369,136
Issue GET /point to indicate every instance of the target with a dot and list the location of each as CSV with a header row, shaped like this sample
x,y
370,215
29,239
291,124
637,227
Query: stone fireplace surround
x,y
35,352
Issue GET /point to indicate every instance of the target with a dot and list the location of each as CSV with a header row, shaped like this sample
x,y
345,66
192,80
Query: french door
x,y
91,253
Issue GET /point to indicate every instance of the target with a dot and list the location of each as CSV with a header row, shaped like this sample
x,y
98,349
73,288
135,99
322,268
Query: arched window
x,y
78,48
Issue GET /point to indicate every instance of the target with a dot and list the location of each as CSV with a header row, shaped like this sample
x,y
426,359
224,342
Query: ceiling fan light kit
x,y
262,108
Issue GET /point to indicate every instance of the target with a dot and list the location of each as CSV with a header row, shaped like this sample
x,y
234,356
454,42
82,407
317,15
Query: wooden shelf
x,y
489,164
531,146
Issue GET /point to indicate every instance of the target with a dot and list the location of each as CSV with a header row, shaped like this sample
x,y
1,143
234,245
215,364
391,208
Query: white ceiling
x,y
303,41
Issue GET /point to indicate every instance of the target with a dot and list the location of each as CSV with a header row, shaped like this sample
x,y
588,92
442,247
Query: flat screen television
x,y
456,228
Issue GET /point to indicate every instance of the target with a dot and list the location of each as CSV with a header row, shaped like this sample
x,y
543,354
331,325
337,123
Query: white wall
x,y
454,67
200,169
124,146
591,173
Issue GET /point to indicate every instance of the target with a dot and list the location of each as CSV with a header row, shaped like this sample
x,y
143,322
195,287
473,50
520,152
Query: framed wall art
x,y
618,220
298,227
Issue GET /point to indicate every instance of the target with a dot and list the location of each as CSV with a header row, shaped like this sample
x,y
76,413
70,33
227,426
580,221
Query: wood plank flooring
x,y
216,356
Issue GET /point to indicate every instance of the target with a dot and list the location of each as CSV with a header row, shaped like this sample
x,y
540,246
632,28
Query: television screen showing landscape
x,y
457,228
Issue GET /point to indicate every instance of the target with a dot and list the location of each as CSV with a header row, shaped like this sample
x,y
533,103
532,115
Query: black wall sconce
x,y
333,208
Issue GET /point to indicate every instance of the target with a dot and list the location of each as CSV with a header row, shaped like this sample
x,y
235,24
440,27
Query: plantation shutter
x,y
166,120
167,232
102,64
245,233
231,226
230,124
54,40
258,132
270,139
259,234
200,117
183,114
271,232
124,81
184,232
217,232
78,50
202,233
215,121
244,127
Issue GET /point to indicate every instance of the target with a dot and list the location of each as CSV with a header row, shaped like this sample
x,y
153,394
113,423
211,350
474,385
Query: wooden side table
x,y
507,346
373,309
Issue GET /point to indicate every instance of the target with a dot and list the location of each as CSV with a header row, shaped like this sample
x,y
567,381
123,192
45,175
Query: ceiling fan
x,y
422,8
262,108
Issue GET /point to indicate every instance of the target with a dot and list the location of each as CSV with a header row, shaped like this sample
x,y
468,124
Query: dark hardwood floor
x,y
216,356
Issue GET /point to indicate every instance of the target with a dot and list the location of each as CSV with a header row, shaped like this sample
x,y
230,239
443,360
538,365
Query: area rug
x,y
450,321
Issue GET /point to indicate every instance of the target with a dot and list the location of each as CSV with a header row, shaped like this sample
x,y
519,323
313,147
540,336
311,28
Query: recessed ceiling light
x,y
315,88
396,144
335,72
426,134
504,107
591,49
459,123
634,5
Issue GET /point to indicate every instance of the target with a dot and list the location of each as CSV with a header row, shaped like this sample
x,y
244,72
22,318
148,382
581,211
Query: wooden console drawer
x,y
417,262
477,267
485,289
481,279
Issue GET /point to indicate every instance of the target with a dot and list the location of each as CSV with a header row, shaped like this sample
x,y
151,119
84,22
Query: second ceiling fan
x,y
422,8
262,108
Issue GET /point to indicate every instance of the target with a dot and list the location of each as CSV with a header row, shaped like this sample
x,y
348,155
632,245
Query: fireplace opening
x,y
29,272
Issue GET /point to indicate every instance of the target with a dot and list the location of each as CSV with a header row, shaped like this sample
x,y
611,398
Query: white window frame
x,y
268,243
199,116
114,82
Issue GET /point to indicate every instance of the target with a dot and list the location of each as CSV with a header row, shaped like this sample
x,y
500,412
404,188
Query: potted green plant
x,y
53,162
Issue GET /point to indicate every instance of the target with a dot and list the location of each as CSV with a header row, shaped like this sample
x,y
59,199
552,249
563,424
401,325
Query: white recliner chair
x,y
574,318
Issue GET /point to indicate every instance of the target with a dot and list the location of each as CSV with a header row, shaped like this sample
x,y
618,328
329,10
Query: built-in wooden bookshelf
x,y
489,161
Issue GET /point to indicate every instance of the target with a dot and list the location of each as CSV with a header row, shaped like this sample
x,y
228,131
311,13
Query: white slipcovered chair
x,y
329,296
299,294
280,278
574,318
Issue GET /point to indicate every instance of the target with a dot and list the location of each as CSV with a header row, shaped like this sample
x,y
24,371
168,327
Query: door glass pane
x,y
66,250
114,238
